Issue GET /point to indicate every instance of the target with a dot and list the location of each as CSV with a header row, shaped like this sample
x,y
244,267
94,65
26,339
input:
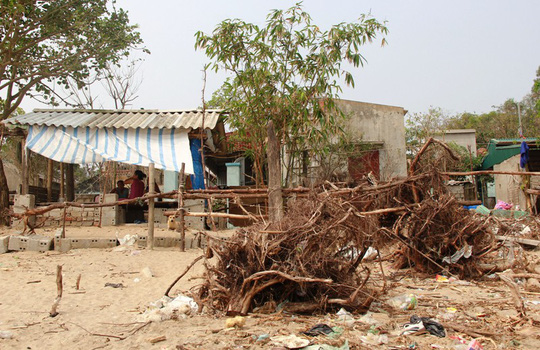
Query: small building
x,y
462,137
505,155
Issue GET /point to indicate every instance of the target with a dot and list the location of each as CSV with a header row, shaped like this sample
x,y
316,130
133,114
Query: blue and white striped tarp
x,y
166,148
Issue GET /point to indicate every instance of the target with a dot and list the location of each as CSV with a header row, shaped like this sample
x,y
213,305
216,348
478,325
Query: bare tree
x,y
122,83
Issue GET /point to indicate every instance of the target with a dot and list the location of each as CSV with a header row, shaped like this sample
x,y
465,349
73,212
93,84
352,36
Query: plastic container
x,y
404,302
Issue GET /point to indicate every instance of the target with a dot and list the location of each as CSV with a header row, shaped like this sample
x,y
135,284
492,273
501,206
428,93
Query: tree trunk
x,y
4,197
275,197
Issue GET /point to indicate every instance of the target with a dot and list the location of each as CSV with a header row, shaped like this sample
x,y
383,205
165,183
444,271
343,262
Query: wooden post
x,y
151,206
62,193
24,166
275,197
50,170
70,182
182,227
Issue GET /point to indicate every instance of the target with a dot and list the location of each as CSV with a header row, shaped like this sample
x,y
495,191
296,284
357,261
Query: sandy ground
x,y
100,317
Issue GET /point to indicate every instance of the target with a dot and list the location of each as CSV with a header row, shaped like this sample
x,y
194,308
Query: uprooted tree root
x,y
441,235
312,260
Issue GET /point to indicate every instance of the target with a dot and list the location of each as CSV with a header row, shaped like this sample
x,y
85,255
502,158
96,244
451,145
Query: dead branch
x,y
59,290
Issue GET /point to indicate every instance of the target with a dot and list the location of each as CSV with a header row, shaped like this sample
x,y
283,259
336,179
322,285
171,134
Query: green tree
x,y
46,42
288,72
419,127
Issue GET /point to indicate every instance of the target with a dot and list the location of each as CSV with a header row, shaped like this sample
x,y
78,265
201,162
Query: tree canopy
x,y
287,71
501,122
45,42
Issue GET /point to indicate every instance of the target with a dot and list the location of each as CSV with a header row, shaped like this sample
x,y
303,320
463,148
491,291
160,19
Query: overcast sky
x,y
459,55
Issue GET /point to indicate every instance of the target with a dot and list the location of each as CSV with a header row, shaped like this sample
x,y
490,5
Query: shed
x,y
138,137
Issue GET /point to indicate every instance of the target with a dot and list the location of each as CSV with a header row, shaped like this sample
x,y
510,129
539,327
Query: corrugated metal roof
x,y
137,118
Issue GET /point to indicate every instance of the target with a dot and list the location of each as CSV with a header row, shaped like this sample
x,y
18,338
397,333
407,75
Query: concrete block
x,y
62,244
40,244
18,243
65,244
4,243
32,243
110,198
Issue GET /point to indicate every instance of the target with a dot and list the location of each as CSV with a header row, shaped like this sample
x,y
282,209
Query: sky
x,y
460,55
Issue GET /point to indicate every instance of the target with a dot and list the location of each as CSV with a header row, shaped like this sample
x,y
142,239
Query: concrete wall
x,y
508,187
462,137
369,122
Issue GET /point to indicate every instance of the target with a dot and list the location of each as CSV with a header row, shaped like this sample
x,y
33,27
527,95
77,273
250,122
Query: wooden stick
x,y
181,209
518,301
78,284
217,215
59,289
490,172
151,211
183,274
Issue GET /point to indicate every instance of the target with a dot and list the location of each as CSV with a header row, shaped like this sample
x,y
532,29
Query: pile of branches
x,y
440,235
311,261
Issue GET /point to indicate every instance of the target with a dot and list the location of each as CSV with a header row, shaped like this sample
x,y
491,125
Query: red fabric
x,y
137,189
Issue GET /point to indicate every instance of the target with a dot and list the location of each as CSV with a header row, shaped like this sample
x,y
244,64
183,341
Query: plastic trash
x,y
127,240
262,337
345,316
168,308
404,302
319,329
114,285
374,339
6,335
420,323
146,272
503,205
464,252
235,322
289,341
483,210
345,346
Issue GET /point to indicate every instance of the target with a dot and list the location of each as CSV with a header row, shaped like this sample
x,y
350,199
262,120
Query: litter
x,y
404,302
289,341
418,324
235,322
167,308
345,316
114,285
319,329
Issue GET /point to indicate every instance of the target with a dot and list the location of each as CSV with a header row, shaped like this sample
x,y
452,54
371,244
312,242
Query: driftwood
x,y
59,290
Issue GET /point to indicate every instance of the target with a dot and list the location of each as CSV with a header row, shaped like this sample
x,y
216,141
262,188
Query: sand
x,y
100,317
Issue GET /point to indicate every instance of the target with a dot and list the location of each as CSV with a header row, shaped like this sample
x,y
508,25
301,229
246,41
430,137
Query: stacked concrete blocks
x,y
31,243
110,216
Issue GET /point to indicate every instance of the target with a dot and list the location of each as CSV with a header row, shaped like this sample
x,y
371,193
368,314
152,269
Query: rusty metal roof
x,y
126,119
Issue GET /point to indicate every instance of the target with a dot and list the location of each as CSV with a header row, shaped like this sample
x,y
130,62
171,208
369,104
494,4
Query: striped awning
x,y
166,148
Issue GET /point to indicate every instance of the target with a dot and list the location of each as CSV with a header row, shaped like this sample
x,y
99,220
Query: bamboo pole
x,y
151,211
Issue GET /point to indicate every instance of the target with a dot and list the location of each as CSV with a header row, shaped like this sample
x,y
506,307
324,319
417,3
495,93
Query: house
x,y
465,138
166,139
375,136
